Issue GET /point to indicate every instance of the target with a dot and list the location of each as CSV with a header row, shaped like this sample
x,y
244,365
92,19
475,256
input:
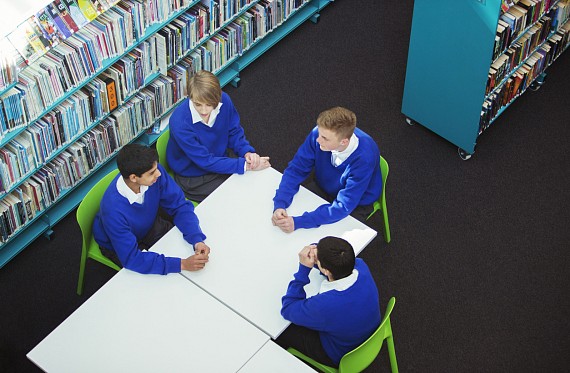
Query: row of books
x,y
33,42
47,184
527,44
234,39
71,118
8,68
79,58
524,76
517,19
54,23
518,52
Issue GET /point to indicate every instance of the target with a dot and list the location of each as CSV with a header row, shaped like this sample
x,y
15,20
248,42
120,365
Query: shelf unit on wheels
x,y
452,44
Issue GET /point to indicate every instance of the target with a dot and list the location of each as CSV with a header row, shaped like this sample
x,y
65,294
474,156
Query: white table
x,y
252,261
149,323
272,358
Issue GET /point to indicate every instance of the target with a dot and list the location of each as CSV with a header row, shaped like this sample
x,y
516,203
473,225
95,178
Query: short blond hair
x,y
339,120
204,87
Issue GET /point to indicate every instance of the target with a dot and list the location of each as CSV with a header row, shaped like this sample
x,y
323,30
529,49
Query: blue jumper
x,y
355,182
344,319
119,226
194,149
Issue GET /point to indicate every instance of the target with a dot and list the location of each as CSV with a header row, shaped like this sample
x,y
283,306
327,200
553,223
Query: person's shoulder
x,y
226,98
360,264
111,197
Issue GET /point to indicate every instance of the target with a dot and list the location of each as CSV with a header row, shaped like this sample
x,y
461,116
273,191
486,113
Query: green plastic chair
x,y
362,356
380,205
161,144
86,212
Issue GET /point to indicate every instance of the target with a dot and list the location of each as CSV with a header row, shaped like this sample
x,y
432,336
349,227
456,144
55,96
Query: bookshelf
x,y
67,158
464,69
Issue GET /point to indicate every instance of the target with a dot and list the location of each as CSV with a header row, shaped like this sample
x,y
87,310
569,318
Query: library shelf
x,y
294,13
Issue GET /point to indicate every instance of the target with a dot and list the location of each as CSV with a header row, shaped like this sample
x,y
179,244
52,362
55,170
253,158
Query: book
x,y
58,21
65,15
87,9
75,13
111,93
48,27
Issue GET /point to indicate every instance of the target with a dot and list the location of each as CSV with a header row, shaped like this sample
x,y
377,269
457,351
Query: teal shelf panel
x,y
7,88
451,45
26,236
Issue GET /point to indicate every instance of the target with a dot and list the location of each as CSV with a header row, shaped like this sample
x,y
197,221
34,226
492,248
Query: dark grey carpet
x,y
479,258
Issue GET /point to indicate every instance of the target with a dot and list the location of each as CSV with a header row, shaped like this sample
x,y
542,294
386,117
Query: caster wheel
x,y
463,154
410,122
534,86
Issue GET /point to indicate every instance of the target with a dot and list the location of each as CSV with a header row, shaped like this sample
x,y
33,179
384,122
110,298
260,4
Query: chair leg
x,y
392,354
81,272
386,224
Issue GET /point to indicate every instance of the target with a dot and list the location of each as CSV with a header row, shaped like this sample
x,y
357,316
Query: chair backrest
x,y
89,207
362,356
161,144
385,169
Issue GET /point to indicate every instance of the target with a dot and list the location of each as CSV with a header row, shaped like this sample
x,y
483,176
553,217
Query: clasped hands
x,y
256,163
308,256
198,260
283,221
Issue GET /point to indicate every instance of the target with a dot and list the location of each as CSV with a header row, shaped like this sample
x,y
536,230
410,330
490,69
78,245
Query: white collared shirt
x,y
339,285
338,157
197,118
127,192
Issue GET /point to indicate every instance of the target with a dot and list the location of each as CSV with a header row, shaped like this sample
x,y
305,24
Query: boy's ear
x,y
344,142
133,178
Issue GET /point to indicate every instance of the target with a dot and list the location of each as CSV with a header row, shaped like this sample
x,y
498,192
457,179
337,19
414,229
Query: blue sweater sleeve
x,y
125,245
296,172
237,141
173,201
297,308
345,202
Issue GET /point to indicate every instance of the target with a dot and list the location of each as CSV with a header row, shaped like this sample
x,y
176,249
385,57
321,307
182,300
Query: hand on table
x,y
194,262
256,163
197,261
283,221
202,248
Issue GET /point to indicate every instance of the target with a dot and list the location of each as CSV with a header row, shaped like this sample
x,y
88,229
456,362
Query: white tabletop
x,y
149,323
272,358
252,262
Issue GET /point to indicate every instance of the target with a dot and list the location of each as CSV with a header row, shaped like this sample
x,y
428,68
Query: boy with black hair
x,y
128,222
346,165
342,315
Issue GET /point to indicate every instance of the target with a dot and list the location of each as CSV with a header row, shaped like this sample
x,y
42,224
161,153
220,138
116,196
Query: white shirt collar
x,y
197,118
338,157
339,285
127,192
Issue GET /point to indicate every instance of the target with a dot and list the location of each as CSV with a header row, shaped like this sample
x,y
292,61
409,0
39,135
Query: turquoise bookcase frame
x,y
44,221
451,47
